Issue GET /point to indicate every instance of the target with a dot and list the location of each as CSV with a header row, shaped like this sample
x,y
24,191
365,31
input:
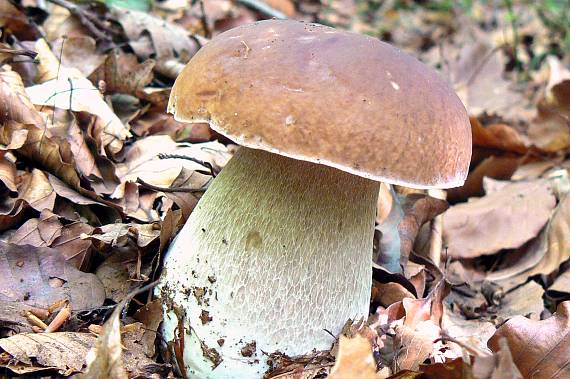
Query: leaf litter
x,y
96,179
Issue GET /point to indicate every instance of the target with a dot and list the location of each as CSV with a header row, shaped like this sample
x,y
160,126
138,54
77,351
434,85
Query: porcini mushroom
x,y
278,250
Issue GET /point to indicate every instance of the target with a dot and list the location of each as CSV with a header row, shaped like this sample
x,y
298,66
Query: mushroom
x,y
278,250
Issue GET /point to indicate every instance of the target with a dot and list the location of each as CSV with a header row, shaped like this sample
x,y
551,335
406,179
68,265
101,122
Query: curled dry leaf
x,y
540,349
496,167
354,359
105,358
37,191
14,102
38,232
79,95
504,219
41,276
7,173
150,315
418,210
498,136
123,74
31,352
546,253
170,43
497,366
550,129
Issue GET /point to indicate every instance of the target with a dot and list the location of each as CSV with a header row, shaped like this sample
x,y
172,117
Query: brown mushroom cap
x,y
327,96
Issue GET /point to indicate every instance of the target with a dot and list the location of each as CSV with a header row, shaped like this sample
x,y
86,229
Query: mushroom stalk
x,y
277,252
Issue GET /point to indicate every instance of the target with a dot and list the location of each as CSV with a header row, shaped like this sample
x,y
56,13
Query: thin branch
x,y
91,23
167,189
263,8
208,165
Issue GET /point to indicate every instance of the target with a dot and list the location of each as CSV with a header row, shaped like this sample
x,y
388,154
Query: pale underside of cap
x,y
332,97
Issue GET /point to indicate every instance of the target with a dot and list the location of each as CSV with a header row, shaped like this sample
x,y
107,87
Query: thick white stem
x,y
277,251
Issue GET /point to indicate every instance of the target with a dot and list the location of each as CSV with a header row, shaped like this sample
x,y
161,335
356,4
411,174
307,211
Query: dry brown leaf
x,y
79,95
14,102
79,52
105,358
525,300
473,332
478,79
498,136
418,210
496,167
560,287
30,352
354,359
76,250
41,276
504,219
497,366
37,191
114,273
150,315
123,74
389,293
550,129
8,173
540,349
173,221
452,369
13,212
38,232
151,35
546,253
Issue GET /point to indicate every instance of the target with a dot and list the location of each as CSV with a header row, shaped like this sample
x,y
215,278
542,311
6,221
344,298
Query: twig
x,y
28,53
208,165
263,8
90,22
59,319
167,189
204,20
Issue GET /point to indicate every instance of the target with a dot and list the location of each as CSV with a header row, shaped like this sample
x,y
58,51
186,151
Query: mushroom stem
x,y
276,252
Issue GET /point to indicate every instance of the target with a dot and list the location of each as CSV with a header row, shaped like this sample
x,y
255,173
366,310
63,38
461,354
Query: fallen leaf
x,y
38,232
115,275
503,219
63,351
8,173
477,75
539,348
550,129
496,167
354,359
498,136
546,253
15,104
79,95
150,315
105,358
497,366
27,273
123,74
37,191
79,52
560,289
